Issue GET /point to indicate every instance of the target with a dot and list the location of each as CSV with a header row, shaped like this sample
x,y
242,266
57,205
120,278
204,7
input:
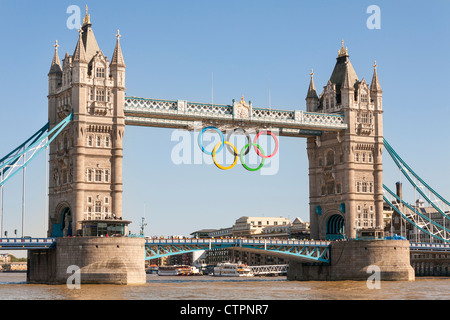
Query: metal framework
x,y
183,115
433,226
312,251
277,269
27,243
19,158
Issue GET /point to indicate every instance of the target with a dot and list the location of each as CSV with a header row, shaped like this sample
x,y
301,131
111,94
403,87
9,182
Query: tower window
x,y
107,141
89,175
98,141
100,95
106,175
330,158
98,207
100,72
90,141
98,175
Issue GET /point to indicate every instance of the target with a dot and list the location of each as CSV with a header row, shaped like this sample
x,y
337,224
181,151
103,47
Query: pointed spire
x,y
347,83
117,57
312,93
343,52
87,18
375,85
80,53
56,64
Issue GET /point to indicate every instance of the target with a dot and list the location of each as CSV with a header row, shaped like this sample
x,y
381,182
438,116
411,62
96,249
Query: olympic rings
x,y
200,139
276,144
214,156
232,149
248,140
242,157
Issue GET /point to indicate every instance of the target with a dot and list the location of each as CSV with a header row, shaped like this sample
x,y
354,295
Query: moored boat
x,y
228,269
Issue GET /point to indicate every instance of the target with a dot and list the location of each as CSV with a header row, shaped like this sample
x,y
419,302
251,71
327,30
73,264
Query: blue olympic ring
x,y
200,140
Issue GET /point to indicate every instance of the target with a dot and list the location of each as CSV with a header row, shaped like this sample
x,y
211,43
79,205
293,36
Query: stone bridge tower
x,y
86,158
345,168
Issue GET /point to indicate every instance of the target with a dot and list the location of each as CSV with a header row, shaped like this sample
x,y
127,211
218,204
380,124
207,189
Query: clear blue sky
x,y
172,47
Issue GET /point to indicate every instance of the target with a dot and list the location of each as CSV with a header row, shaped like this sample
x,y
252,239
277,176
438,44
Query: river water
x,y
13,286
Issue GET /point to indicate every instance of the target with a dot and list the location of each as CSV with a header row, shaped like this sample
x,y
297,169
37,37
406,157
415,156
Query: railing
x,y
27,243
315,243
138,111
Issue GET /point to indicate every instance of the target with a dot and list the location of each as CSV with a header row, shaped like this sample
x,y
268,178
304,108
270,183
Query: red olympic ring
x,y
276,144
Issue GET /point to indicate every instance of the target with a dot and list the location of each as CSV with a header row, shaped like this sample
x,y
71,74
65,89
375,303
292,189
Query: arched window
x,y
330,157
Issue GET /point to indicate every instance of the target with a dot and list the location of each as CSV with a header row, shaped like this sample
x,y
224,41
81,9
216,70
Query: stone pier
x,y
102,260
350,260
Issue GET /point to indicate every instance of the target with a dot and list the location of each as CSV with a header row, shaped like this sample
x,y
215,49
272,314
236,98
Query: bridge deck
x,y
182,114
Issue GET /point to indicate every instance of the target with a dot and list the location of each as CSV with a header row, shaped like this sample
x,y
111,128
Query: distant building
x,y
250,227
17,266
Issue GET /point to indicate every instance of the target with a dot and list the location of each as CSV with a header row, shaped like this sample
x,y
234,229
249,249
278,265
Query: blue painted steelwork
x,y
27,243
335,227
407,172
314,251
412,214
27,151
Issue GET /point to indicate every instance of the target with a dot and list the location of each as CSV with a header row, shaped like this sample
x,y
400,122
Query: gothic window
x,y
106,175
89,199
330,158
338,188
108,96
364,187
98,207
91,94
358,187
65,141
107,142
64,176
100,72
330,187
357,157
363,157
89,175
106,200
364,97
100,95
98,175
370,187
98,141
90,141
369,157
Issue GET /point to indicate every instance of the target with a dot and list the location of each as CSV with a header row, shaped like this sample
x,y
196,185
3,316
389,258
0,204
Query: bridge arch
x,y
61,225
335,227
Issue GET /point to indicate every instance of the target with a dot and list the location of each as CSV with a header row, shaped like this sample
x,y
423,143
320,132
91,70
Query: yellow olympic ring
x,y
214,156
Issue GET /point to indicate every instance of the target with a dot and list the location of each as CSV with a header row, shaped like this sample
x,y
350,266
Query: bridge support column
x,y
100,260
350,260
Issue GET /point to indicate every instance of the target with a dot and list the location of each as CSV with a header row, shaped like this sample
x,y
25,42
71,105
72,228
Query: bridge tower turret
x,y
345,168
86,158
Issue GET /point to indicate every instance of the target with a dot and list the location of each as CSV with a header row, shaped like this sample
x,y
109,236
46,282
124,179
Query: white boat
x,y
174,270
228,269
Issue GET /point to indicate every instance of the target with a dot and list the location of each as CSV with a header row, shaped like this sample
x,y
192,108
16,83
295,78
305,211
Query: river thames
x,y
13,286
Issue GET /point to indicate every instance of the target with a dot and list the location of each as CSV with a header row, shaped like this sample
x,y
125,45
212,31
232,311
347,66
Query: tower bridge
x,y
88,112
